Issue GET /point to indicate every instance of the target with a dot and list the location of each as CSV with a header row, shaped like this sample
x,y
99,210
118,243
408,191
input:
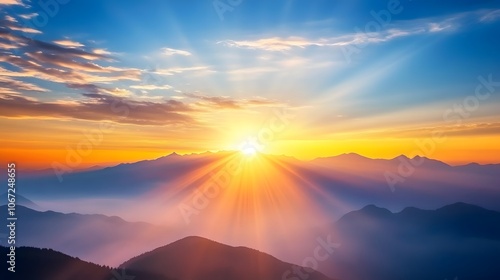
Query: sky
x,y
87,83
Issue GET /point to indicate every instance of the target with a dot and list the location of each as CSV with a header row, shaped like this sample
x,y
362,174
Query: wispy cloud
x,y
11,86
11,2
64,62
151,87
99,107
102,52
68,43
225,102
274,43
170,51
28,16
10,23
491,16
179,70
470,129
393,31
90,73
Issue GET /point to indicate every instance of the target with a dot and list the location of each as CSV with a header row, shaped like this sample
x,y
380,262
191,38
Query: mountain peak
x,y
368,212
352,156
461,206
175,260
343,157
20,200
373,209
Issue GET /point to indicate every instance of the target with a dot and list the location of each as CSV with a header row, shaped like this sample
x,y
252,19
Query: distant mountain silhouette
x,y
456,240
196,258
353,179
47,264
458,219
20,200
97,238
118,181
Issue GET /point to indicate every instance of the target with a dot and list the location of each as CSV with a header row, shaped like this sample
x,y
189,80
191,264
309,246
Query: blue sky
x,y
138,31
195,65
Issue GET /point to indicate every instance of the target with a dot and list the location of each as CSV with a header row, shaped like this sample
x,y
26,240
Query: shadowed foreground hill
x,y
47,264
196,258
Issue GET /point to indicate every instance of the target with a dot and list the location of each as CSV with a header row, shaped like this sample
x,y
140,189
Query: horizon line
x,y
104,165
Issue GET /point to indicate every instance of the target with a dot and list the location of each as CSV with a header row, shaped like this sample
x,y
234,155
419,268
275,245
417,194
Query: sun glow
x,y
249,151
248,148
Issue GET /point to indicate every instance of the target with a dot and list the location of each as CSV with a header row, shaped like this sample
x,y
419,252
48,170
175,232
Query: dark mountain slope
x,y
196,258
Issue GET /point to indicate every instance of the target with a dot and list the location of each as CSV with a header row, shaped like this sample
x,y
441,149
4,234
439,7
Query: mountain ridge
x,y
212,260
174,154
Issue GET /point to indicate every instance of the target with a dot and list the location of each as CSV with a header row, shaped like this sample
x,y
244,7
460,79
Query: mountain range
x,y
354,179
370,243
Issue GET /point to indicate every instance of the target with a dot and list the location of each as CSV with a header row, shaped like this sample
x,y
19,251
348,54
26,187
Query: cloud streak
x,y
11,2
170,51
99,107
224,102
360,37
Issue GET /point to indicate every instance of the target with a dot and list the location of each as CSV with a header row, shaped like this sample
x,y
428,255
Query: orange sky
x,y
36,144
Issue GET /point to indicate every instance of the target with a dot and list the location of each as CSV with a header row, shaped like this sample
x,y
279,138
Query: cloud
x,y
101,52
272,44
87,66
435,27
42,67
360,37
99,107
151,87
169,51
490,16
11,2
11,86
60,62
470,129
69,43
178,70
64,62
10,23
224,102
275,44
28,16
9,18
91,75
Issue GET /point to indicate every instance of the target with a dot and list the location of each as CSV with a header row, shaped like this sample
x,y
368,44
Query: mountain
x,y
20,200
97,238
456,240
122,180
196,258
282,198
47,264
402,181
190,258
460,240
394,183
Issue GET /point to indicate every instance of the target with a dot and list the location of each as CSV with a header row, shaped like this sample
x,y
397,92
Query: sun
x,y
248,148
249,151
